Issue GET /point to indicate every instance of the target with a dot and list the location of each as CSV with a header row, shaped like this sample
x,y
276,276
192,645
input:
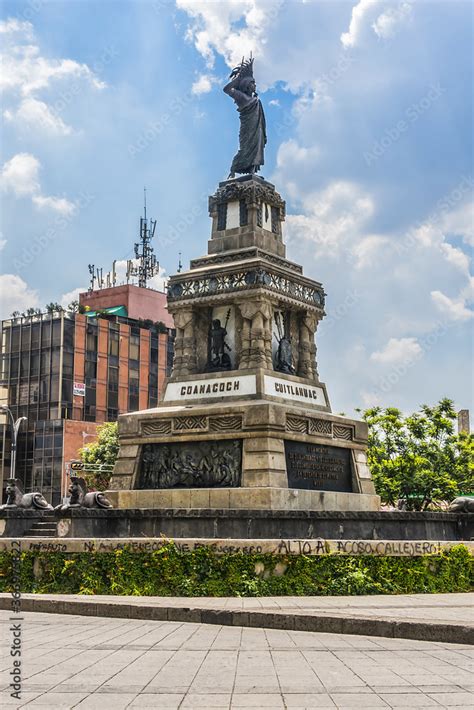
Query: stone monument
x,y
244,421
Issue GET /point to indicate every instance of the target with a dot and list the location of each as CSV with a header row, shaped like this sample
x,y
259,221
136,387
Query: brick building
x,y
68,372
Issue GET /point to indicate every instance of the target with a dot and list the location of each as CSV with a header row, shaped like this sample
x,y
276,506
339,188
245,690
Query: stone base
x,y
289,457
244,498
218,524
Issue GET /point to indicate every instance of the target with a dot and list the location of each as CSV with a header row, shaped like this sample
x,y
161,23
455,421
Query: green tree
x,y
419,459
102,454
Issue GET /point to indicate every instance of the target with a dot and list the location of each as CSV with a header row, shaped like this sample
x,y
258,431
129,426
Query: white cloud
x,y
367,251
453,308
15,295
274,102
397,351
57,204
203,84
20,175
357,23
232,28
389,21
26,73
31,112
334,218
71,296
13,25
384,25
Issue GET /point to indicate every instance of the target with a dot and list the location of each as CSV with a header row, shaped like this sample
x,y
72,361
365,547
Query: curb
x,y
323,623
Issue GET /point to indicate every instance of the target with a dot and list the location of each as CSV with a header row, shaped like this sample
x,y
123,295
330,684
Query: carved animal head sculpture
x,y
16,497
462,504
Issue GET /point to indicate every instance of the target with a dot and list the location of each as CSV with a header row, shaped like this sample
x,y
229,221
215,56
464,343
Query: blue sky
x,y
369,111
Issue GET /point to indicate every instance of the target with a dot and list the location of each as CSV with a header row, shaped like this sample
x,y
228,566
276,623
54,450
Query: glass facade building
x,y
67,373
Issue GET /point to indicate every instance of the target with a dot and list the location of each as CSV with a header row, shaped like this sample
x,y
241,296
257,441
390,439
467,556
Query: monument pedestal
x,y
245,422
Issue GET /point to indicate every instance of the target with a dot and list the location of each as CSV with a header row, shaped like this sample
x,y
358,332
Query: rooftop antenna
x,y
92,273
147,265
180,266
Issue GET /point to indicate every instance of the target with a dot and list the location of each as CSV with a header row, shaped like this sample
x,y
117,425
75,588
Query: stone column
x,y
185,343
256,334
307,348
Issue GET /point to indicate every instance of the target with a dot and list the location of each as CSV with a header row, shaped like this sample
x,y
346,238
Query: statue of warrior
x,y
253,135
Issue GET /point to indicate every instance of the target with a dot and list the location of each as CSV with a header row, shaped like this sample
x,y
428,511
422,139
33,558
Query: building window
x,y
243,213
114,340
91,338
56,332
112,414
91,373
222,215
134,347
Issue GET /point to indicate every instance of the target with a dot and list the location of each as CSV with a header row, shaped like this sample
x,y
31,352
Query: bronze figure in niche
x,y
284,354
219,349
191,465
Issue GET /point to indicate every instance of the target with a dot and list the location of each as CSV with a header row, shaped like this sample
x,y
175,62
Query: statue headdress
x,y
244,70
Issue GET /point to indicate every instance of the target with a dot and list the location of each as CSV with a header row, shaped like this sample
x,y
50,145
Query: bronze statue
x,y
219,359
253,134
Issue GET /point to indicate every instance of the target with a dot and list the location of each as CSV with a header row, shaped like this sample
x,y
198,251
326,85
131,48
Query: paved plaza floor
x,y
71,661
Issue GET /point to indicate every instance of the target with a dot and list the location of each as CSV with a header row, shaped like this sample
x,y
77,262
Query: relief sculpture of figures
x,y
191,465
253,133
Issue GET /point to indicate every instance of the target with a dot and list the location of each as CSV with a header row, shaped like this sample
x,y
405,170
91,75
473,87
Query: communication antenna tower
x,y
147,265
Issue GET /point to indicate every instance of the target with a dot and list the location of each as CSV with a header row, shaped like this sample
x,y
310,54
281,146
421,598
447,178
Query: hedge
x,y
202,572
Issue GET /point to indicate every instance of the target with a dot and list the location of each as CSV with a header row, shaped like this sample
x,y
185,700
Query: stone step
x,y
43,529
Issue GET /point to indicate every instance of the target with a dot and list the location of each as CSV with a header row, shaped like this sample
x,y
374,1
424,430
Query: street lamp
x,y
15,429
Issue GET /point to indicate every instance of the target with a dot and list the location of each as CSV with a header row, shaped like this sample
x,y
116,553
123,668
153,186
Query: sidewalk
x,y
445,618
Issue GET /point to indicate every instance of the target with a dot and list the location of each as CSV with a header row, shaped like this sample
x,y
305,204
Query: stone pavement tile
x,y
408,700
308,700
57,700
177,675
206,700
294,673
453,699
271,701
216,674
256,673
227,639
6,701
382,689
106,701
354,689
358,700
163,701
440,689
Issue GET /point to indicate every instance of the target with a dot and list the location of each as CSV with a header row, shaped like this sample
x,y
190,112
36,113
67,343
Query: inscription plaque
x,y
318,467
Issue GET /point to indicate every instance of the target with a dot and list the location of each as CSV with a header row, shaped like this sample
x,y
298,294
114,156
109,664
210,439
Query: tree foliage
x,y
102,453
419,460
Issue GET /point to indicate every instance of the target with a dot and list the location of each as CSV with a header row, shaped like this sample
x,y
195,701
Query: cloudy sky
x,y
369,112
